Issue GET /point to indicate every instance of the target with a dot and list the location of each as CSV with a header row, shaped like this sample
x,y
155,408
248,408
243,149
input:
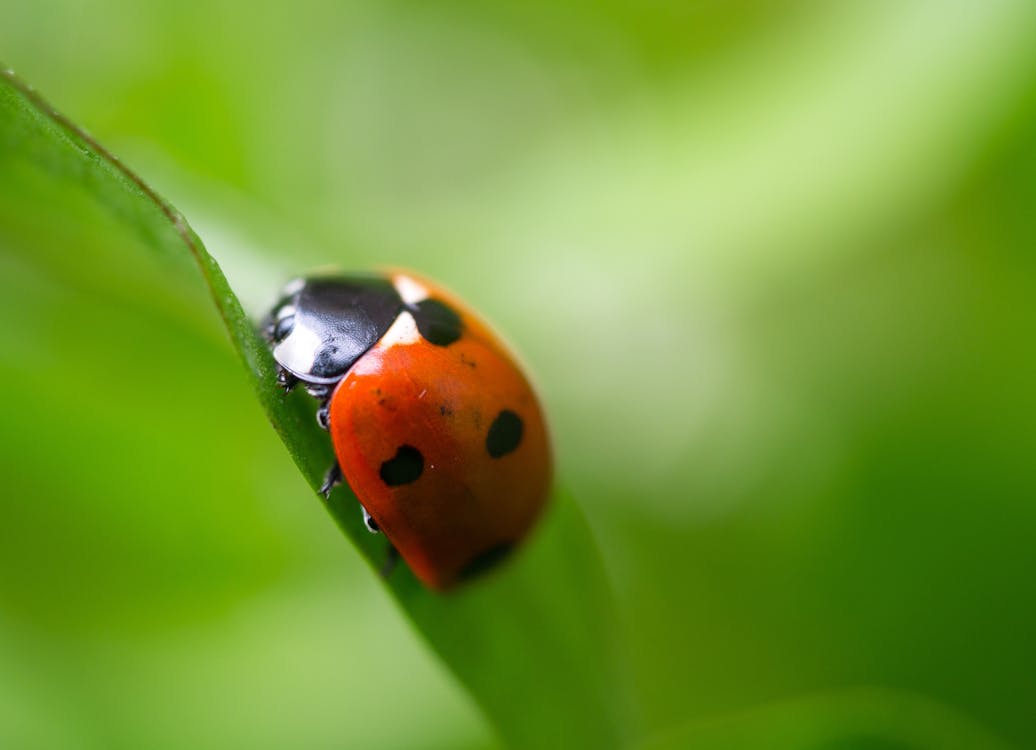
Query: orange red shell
x,y
444,444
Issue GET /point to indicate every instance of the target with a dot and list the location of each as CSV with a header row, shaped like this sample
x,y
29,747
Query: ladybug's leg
x,y
322,393
332,479
370,523
324,415
286,380
391,560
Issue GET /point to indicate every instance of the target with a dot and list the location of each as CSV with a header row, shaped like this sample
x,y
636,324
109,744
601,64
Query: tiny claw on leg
x,y
286,380
332,479
391,560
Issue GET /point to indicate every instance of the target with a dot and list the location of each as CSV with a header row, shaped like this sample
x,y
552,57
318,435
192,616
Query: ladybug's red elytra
x,y
434,426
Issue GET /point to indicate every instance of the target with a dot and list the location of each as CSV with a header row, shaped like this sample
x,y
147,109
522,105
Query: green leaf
x,y
535,642
862,719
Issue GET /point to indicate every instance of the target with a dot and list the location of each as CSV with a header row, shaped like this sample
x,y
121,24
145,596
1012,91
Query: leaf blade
x,y
535,643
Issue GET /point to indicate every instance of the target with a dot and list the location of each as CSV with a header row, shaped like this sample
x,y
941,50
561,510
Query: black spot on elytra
x,y
484,561
403,468
445,411
437,322
504,434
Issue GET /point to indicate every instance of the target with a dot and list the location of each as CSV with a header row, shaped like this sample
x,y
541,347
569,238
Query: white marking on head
x,y
285,312
410,291
299,350
402,333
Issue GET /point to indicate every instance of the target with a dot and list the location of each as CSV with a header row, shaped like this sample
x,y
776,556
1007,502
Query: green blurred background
x,y
772,266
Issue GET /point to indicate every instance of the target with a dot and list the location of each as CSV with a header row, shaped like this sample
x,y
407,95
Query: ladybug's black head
x,y
322,325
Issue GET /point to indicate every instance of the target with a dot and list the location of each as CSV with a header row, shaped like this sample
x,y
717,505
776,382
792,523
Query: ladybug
x,y
434,426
